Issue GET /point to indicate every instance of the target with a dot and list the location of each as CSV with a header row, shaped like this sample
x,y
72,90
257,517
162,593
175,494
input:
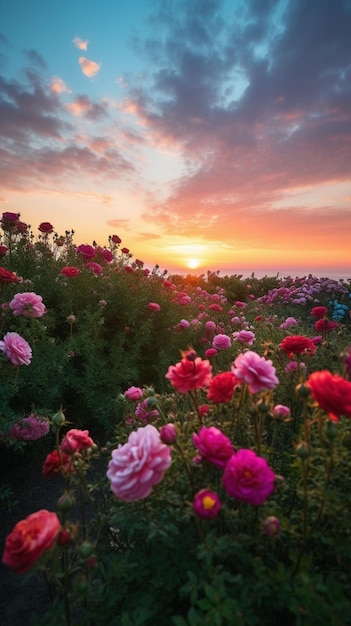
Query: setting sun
x,y
193,263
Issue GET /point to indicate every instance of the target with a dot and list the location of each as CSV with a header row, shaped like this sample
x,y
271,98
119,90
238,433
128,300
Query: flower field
x,y
199,428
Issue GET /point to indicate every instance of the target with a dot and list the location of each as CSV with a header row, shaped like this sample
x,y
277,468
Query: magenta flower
x,y
94,267
29,428
138,465
244,336
168,433
248,477
254,370
87,252
206,504
153,306
210,352
143,411
28,304
282,411
221,342
133,393
16,349
213,446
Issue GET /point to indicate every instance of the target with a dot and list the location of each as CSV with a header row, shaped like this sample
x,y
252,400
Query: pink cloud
x,y
88,67
58,85
81,44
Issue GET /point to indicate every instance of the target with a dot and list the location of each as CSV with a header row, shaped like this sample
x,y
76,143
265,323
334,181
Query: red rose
x,y
22,227
332,392
3,250
70,271
323,325
319,311
297,344
10,217
6,276
56,462
125,250
221,388
116,239
29,539
46,227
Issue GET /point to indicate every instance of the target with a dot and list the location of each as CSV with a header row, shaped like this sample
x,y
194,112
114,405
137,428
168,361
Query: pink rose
x,y
94,267
139,464
221,342
254,370
153,306
133,393
29,539
213,446
107,254
30,428
282,411
16,349
248,477
206,504
76,440
28,304
245,336
168,433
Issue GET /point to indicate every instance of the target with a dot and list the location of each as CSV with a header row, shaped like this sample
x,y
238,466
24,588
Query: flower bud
x,y
302,450
302,391
330,430
271,526
65,503
59,418
168,433
151,402
86,549
81,586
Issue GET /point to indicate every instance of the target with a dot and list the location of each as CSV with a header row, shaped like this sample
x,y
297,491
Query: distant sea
x,y
331,272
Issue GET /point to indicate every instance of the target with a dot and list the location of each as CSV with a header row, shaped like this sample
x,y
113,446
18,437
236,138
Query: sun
x,y
193,263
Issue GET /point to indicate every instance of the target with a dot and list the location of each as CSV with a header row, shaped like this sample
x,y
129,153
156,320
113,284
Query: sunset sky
x,y
205,133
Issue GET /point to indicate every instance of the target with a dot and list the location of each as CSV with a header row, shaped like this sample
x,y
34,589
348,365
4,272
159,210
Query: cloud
x,y
89,68
41,148
83,106
258,103
81,44
118,223
58,85
148,236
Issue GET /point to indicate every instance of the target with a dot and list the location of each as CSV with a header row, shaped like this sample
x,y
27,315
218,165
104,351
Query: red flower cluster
x,y
332,392
323,325
297,344
319,311
70,271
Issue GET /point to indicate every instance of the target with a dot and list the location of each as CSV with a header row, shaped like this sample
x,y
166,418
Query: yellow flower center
x,y
208,502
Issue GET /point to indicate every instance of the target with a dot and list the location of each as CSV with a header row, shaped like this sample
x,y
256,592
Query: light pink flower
x,y
139,464
28,304
16,349
245,336
290,321
221,342
133,393
206,504
213,446
29,428
248,477
254,370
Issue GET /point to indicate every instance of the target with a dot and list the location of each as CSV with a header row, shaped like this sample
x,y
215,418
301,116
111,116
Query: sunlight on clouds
x,y
58,85
81,44
88,67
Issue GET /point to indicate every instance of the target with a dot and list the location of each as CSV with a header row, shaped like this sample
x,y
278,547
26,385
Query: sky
x,y
207,134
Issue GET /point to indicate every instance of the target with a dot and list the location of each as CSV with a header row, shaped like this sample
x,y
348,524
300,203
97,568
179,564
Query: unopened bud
x,y
86,549
271,526
302,450
168,433
59,418
65,503
330,430
302,391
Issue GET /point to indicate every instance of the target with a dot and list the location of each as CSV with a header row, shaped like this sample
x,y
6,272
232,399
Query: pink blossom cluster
x,y
29,428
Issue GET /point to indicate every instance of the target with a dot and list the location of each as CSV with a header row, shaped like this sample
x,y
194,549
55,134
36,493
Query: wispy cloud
x,y
81,44
88,67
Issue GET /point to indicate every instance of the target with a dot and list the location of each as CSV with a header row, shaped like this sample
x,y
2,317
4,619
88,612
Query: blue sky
x,y
200,131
